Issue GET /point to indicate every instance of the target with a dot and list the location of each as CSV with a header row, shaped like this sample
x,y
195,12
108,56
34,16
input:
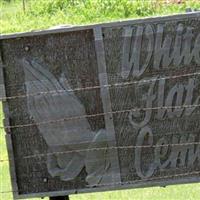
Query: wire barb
x,y
97,115
98,86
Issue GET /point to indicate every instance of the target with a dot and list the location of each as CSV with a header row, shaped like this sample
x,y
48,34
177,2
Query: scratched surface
x,y
105,107
160,62
44,68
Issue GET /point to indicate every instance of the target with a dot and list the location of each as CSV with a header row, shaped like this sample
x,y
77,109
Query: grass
x,y
41,14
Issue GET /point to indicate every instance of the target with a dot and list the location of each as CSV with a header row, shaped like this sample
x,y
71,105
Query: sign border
x,y
94,27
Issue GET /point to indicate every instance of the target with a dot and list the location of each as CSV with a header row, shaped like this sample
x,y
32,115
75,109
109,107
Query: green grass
x,y
41,14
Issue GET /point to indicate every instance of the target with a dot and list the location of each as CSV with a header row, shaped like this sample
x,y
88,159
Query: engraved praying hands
x,y
66,135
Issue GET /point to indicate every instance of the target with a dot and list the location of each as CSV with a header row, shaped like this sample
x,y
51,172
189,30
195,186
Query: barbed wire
x,y
85,142
107,148
112,148
159,134
98,86
97,115
118,76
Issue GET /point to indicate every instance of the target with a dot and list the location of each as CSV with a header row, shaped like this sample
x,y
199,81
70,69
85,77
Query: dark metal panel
x,y
105,95
103,107
154,70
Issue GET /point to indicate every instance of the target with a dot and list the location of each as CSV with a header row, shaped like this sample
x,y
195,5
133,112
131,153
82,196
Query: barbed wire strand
x,y
98,114
118,76
80,143
109,148
97,87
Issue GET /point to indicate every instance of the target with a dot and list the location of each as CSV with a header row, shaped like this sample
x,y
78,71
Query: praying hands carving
x,y
71,142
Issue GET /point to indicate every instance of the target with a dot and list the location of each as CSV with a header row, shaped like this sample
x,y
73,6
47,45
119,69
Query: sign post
x,y
59,198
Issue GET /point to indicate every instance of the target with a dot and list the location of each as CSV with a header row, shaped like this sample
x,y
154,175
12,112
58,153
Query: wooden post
x,y
59,198
24,5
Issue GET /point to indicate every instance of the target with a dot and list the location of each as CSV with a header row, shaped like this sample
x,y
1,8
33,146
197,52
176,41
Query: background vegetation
x,y
40,14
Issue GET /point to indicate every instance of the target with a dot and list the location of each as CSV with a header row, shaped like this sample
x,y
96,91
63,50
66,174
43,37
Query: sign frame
x,y
97,30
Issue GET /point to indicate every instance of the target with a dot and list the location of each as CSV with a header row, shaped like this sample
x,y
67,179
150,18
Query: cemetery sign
x,y
102,107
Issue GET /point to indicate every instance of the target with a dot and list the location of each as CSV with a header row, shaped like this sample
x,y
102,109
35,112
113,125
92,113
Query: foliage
x,y
41,14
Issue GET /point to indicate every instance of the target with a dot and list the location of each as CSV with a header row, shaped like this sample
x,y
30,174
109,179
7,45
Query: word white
x,y
165,49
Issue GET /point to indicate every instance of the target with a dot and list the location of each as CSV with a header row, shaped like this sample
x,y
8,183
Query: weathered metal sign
x,y
103,107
